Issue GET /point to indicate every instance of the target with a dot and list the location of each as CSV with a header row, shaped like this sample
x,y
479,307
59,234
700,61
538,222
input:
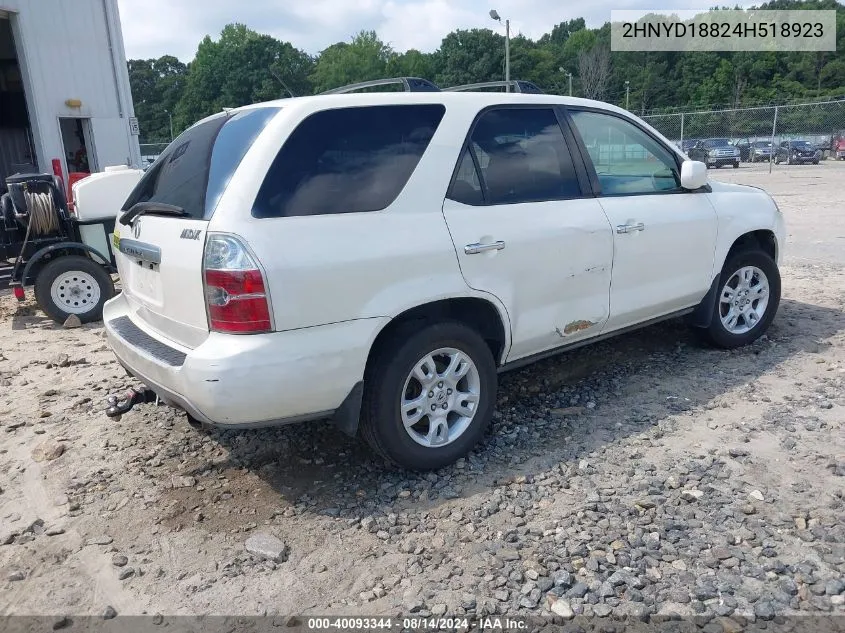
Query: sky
x,y
152,28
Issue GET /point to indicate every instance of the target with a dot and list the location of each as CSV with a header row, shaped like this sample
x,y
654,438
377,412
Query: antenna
x,y
284,85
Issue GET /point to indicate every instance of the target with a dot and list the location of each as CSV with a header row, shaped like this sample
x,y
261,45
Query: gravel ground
x,y
646,475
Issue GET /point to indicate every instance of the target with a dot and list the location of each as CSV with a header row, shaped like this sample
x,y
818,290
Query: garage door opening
x,y
76,141
17,150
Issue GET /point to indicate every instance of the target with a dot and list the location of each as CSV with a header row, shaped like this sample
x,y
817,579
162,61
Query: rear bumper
x,y
246,381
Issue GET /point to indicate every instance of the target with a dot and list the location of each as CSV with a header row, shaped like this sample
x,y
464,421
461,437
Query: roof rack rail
x,y
517,84
410,84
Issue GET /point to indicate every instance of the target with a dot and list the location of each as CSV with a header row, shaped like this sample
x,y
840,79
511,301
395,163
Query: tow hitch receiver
x,y
118,405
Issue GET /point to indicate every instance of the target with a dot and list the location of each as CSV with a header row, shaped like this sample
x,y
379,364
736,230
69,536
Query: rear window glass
x,y
193,171
347,160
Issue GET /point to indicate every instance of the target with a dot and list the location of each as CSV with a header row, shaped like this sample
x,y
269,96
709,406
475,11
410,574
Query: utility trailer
x,y
63,250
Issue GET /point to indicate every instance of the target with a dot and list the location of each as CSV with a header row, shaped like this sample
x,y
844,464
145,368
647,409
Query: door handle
x,y
474,249
630,228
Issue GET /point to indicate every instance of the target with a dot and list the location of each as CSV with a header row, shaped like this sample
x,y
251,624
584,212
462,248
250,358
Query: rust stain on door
x,y
577,326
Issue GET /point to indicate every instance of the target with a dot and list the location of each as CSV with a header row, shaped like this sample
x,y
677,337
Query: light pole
x,y
495,15
627,93
569,75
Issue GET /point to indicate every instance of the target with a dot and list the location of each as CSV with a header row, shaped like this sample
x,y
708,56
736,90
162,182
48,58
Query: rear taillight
x,y
235,295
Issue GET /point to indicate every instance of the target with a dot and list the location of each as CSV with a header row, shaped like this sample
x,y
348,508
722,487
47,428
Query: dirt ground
x,y
647,474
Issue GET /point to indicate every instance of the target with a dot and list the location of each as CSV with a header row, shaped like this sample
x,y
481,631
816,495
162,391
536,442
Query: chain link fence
x,y
151,151
821,124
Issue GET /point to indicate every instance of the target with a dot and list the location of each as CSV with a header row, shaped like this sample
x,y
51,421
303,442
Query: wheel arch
x,y
763,239
37,261
756,239
483,315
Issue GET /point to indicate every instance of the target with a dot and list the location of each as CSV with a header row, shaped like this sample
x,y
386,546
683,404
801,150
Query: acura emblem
x,y
136,229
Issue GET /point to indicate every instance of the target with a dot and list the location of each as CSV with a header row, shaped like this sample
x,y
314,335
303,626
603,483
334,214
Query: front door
x,y
664,236
524,232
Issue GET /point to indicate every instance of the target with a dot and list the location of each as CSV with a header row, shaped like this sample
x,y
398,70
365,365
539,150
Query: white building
x,y
65,100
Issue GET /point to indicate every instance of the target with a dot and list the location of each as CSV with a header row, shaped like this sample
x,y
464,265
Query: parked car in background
x,y
715,152
797,152
424,282
744,147
760,151
688,143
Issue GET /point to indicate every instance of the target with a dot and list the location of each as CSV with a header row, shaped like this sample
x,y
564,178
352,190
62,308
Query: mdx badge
x,y
191,234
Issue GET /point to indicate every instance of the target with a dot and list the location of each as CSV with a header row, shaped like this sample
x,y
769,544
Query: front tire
x,y
429,395
749,296
736,165
73,284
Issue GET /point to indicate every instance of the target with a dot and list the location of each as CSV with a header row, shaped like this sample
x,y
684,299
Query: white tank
x,y
101,195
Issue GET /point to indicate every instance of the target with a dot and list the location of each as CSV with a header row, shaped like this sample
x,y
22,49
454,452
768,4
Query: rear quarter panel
x,y
330,268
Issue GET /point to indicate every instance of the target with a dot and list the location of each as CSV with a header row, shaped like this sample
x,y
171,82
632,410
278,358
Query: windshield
x,y
801,144
193,171
716,142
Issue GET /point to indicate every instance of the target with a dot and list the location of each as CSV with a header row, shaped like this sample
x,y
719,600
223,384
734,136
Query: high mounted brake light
x,y
235,293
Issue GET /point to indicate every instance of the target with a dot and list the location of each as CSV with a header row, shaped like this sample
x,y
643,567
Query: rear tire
x,y
399,374
736,165
752,299
73,284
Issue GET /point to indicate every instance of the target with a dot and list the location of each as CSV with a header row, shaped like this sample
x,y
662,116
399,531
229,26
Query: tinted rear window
x,y
347,160
193,171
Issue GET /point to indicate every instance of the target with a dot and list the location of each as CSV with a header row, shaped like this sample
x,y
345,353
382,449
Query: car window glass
x,y
466,187
523,156
194,170
626,159
180,175
347,160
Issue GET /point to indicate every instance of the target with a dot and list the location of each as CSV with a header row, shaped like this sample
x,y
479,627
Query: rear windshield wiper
x,y
159,208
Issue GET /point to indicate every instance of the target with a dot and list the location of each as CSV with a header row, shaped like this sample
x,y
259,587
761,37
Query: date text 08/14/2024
x,y
414,624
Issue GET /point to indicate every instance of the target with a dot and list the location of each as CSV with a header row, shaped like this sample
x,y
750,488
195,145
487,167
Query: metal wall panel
x,y
65,52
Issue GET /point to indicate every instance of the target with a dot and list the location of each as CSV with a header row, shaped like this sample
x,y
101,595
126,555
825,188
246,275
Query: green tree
x,y
240,68
366,57
471,56
244,66
157,85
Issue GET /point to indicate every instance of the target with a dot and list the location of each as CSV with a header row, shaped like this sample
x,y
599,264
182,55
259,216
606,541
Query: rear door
x,y
525,232
161,250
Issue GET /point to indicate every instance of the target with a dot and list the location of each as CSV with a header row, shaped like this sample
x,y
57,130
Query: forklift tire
x,y
73,284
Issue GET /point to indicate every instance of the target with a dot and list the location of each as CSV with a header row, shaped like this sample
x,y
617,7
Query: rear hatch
x,y
160,234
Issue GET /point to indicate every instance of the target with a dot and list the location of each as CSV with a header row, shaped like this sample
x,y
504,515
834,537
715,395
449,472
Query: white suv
x,y
381,257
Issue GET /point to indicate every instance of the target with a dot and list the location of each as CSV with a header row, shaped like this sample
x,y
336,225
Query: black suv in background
x,y
797,152
715,152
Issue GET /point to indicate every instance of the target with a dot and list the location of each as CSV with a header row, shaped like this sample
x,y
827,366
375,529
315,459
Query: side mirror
x,y
693,174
